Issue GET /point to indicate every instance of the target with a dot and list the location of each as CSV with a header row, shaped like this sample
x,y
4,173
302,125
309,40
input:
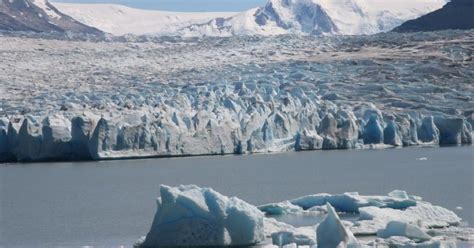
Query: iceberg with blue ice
x,y
194,216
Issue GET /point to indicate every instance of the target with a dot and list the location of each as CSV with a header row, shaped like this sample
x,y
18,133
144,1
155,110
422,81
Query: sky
x,y
181,5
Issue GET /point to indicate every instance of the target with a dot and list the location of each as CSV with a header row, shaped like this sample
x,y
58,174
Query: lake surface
x,y
112,203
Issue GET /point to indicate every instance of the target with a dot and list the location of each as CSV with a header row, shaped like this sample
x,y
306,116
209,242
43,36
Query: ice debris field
x,y
151,97
194,216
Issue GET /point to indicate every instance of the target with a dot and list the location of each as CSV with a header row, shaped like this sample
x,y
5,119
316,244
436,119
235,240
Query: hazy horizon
x,y
181,5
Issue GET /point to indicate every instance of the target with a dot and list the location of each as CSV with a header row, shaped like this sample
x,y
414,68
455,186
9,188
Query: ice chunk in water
x,y
280,208
332,233
397,228
193,216
282,238
351,202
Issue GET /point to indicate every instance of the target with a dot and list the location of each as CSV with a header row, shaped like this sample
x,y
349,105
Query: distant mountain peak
x,y
301,15
311,17
317,17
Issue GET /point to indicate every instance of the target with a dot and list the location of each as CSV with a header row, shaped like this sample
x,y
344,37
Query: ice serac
x,y
408,131
332,233
453,131
56,138
348,130
193,216
327,129
373,132
5,154
29,140
102,140
392,134
82,128
308,140
428,132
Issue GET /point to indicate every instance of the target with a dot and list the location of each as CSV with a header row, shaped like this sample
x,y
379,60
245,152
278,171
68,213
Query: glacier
x,y
188,215
157,97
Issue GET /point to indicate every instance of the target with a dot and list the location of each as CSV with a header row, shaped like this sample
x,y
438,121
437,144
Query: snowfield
x,y
142,96
192,216
120,20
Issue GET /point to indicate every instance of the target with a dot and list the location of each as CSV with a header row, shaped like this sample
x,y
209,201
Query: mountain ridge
x,y
39,16
316,17
306,17
457,14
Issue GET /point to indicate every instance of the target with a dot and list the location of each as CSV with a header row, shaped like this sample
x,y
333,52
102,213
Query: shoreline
x,y
138,158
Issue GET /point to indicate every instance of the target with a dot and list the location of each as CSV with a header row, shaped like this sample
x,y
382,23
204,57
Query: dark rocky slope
x,y
457,14
38,16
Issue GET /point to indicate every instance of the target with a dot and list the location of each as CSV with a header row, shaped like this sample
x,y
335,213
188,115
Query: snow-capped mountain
x,y
38,16
276,17
457,14
315,17
349,17
120,20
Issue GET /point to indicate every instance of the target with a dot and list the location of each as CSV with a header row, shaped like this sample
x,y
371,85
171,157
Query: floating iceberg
x,y
348,202
424,214
193,216
332,233
403,242
402,229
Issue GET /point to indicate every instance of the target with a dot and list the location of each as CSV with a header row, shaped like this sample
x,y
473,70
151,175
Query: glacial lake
x,y
112,203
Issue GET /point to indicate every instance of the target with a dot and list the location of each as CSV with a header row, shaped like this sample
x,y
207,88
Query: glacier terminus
x,y
141,96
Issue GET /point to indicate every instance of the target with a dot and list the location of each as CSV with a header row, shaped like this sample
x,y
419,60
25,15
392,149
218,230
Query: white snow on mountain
x,y
373,16
347,17
42,4
121,20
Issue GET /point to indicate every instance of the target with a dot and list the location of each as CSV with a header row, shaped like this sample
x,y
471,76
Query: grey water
x,y
112,203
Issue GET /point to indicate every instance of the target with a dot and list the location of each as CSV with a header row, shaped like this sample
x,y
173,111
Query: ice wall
x,y
223,121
